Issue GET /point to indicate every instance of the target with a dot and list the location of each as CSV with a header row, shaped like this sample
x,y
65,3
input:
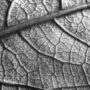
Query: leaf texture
x,y
44,56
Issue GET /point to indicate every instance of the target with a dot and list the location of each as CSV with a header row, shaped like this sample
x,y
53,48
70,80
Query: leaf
x,y
43,56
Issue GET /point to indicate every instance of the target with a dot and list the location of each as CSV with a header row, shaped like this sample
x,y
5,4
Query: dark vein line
x,y
19,85
6,13
51,16
34,88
